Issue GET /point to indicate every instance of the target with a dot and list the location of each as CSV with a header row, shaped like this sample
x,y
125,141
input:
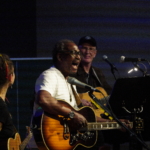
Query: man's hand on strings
x,y
127,123
78,121
86,103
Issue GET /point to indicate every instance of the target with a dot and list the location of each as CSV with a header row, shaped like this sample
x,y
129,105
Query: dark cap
x,y
87,39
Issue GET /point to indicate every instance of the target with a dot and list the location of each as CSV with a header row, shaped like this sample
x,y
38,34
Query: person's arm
x,y
52,106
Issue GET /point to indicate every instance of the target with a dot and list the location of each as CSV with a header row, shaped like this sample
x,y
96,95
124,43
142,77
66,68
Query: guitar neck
x,y
92,126
25,142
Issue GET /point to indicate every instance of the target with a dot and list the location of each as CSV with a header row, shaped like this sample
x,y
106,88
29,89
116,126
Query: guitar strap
x,y
77,98
97,77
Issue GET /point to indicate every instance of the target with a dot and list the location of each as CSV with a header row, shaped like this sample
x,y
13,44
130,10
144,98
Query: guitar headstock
x,y
28,129
29,133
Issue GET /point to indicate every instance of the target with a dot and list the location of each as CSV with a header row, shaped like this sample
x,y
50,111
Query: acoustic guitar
x,y
103,97
15,143
55,132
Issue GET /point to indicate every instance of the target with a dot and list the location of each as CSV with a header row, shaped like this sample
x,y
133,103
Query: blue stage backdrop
x,y
121,28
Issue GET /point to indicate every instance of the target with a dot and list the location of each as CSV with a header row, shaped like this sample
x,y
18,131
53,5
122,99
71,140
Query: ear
x,y
59,57
95,53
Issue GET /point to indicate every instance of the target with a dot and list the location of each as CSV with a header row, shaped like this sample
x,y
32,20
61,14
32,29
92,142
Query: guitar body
x,y
99,96
13,143
51,134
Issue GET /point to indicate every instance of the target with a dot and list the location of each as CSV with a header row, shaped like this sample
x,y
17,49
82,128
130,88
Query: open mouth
x,y
75,65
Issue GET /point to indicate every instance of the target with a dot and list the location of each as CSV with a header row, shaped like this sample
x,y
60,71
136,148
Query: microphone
x,y
105,58
124,59
76,82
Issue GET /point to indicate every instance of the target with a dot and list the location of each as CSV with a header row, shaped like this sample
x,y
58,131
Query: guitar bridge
x,y
66,133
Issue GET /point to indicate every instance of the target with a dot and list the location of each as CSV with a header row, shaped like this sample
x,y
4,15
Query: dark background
x,y
121,28
29,29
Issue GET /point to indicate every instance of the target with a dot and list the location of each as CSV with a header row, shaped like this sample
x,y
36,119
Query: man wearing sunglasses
x,y
52,86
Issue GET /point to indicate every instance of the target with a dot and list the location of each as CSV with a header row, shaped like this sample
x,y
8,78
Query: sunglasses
x,y
72,52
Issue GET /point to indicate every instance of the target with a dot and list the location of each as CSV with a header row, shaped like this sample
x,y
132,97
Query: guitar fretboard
x,y
92,126
26,140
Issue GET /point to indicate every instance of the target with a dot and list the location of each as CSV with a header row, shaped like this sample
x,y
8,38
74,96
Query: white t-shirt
x,y
53,81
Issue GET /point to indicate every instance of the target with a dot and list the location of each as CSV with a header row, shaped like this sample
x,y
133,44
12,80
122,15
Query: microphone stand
x,y
113,72
116,119
137,66
113,68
